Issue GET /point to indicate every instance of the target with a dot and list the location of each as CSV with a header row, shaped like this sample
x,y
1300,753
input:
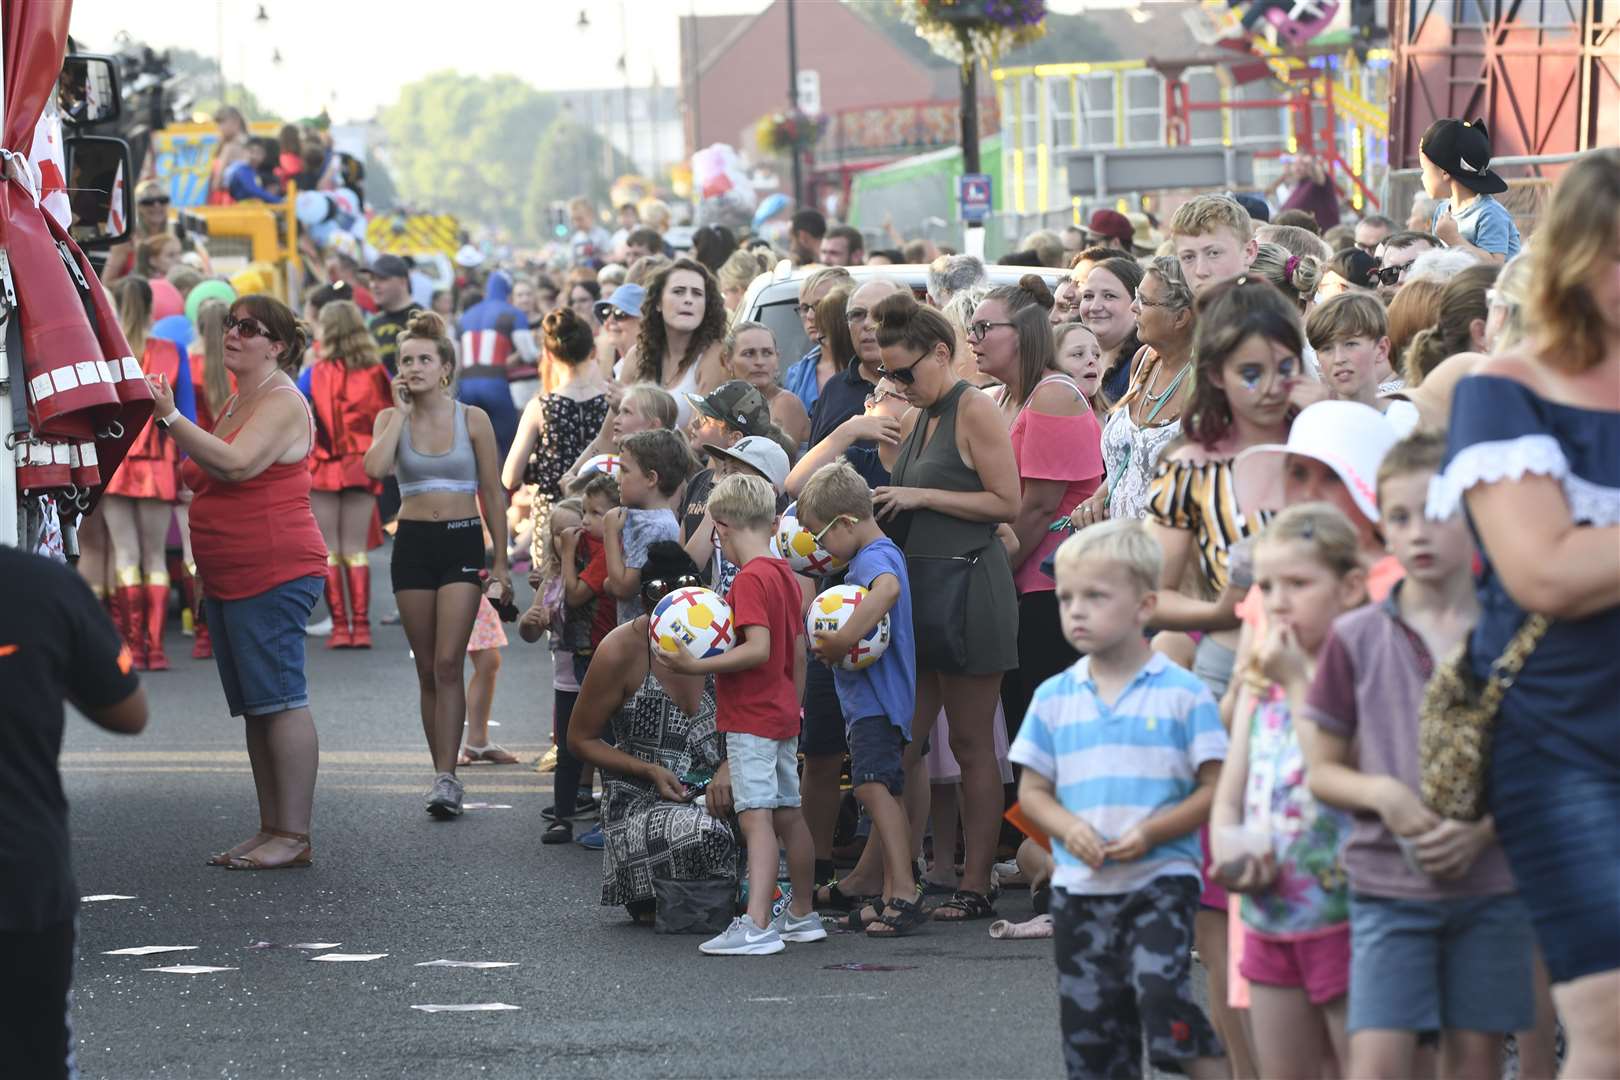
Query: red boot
x,y
157,610
341,636
360,599
129,613
202,646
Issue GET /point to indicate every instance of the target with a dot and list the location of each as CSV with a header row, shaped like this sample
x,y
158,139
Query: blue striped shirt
x,y
1117,765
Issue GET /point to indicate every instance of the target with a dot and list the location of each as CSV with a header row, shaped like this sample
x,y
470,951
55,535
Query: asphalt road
x,y
596,996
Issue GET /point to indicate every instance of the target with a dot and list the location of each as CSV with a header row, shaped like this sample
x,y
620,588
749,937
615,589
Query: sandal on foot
x,y
908,919
831,896
303,859
224,858
965,906
558,832
495,754
856,919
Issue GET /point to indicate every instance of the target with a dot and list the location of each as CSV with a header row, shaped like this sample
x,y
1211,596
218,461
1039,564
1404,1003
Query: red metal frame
x,y
1542,87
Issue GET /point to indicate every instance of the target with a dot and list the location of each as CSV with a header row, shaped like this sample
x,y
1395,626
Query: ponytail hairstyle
x,y
1029,304
344,336
211,328
285,328
1324,527
832,323
903,321
134,296
1462,300
1229,313
566,336
1296,275
1416,307
428,326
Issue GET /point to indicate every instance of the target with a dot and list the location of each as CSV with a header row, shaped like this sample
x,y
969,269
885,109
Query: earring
x,y
444,382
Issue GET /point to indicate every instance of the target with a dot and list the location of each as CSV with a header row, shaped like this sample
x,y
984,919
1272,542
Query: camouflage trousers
x,y
1124,965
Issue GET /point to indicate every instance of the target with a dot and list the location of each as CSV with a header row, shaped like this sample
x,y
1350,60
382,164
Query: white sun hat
x,y
1348,437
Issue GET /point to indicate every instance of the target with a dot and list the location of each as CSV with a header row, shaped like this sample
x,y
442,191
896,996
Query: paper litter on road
x,y
494,723
318,945
486,806
349,957
190,969
478,964
147,950
488,1006
103,896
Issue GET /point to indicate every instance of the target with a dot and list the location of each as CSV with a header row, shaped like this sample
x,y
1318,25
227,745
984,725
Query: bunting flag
x,y
115,212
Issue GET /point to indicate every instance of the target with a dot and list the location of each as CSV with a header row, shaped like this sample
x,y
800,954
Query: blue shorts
x,y
259,646
874,754
1460,964
821,729
764,772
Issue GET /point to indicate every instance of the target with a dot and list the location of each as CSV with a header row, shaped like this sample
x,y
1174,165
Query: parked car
x,y
773,299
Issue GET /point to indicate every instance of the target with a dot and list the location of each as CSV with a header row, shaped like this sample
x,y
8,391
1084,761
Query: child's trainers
x,y
743,938
799,927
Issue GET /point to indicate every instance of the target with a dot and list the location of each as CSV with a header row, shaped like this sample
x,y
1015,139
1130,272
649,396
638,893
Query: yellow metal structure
x,y
270,231
414,234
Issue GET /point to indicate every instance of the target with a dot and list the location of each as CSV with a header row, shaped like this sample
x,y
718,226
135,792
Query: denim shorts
x,y
259,647
874,754
1431,965
764,772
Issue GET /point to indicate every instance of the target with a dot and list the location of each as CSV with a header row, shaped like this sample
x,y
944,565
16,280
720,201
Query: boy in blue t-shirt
x,y
877,701
1121,753
1456,160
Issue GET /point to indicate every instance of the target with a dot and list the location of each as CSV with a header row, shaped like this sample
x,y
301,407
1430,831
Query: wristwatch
x,y
166,422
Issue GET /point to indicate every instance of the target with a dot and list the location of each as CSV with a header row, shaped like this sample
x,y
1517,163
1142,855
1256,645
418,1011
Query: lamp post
x,y
793,99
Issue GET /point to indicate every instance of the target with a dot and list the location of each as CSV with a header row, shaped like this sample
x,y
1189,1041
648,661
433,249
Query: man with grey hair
x,y
950,274
1441,265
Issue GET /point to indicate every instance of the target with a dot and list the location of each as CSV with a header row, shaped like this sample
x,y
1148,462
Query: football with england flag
x,y
694,620
832,609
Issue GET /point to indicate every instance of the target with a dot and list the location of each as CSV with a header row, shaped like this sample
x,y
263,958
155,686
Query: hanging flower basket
x,y
981,29
789,132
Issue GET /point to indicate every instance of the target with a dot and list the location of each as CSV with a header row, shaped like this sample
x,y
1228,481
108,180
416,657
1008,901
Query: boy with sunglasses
x,y
878,700
756,688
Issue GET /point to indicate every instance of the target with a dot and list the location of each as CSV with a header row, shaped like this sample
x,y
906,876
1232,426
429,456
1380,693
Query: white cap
x,y
759,453
1348,437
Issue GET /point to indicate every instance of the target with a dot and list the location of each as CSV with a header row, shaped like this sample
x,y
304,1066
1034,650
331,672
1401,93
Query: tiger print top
x,y
1198,497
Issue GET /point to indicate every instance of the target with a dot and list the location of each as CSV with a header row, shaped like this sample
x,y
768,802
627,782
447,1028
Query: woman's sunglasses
x,y
905,376
248,328
655,589
161,200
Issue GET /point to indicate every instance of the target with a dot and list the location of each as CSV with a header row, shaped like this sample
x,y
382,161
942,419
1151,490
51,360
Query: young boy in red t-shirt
x,y
757,688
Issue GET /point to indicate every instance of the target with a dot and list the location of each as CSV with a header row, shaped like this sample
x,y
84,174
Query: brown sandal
x,y
303,859
224,858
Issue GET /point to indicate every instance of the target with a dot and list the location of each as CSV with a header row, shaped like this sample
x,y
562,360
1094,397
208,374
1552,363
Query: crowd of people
x,y
1260,476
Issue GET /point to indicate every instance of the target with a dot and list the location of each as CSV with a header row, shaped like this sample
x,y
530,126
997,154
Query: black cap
x,y
1255,206
736,404
1463,149
388,266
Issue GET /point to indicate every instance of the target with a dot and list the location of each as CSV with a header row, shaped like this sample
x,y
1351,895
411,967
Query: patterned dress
x,y
1131,454
569,427
647,837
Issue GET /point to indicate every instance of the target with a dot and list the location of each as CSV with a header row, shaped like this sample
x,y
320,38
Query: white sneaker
x,y
799,928
321,627
743,938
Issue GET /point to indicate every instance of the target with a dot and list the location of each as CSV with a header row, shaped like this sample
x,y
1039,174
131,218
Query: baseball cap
x,y
760,454
736,404
1112,224
1463,149
390,266
1348,437
1255,206
626,298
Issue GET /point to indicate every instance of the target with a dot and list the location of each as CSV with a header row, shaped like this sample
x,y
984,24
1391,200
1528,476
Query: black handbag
x,y
703,906
939,602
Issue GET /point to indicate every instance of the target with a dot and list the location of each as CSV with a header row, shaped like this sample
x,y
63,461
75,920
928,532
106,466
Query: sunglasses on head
x,y
248,328
655,589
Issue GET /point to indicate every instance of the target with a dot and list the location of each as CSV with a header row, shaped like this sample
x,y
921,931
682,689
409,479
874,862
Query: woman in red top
x,y
347,387
262,563
142,495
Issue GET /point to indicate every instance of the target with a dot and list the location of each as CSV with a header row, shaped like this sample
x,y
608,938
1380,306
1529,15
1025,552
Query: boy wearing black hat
x,y
1456,160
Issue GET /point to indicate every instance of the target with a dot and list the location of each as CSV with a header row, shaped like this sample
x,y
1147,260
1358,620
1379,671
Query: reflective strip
x,y
89,371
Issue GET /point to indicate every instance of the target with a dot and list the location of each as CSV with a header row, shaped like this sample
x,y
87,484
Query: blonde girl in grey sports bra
x,y
444,455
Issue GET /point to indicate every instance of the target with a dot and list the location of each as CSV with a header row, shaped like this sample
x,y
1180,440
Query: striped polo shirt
x,y
1117,765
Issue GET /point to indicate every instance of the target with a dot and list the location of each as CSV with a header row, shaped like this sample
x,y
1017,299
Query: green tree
x,y
465,145
570,160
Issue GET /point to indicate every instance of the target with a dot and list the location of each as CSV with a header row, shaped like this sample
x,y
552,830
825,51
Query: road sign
x,y
810,92
973,197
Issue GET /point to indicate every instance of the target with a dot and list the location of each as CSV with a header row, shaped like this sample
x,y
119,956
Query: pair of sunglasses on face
x,y
655,589
248,328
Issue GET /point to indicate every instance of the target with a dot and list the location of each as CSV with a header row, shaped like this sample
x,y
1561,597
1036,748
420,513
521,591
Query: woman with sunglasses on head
x,y
955,480
444,454
646,728
262,564
1056,443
